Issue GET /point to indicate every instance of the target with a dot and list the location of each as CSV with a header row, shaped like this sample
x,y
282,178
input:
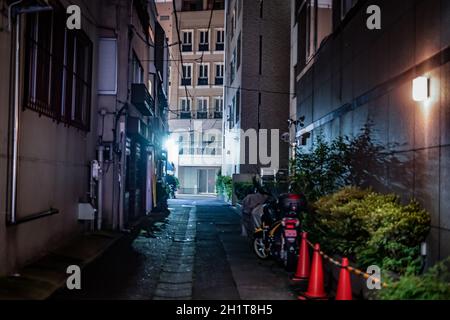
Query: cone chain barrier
x,y
316,288
344,289
303,264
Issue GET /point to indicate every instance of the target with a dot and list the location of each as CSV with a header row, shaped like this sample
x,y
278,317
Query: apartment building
x,y
196,91
396,79
257,92
82,119
132,102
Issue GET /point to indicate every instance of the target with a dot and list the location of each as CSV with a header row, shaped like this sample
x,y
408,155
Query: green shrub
x,y
219,184
243,189
433,285
320,170
228,186
224,185
370,228
331,165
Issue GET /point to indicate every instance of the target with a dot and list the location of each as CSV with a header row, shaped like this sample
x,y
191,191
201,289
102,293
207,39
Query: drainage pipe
x,y
15,117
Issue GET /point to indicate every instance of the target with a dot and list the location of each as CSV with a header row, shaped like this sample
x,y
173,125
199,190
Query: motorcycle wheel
x,y
260,248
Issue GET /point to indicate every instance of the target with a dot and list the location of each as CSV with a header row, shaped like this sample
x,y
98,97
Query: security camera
x,y
286,137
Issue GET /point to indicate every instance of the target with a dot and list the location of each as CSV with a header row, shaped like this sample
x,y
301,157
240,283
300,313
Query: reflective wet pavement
x,y
196,252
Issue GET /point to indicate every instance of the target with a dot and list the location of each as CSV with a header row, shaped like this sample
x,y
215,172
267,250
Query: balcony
x,y
203,47
142,100
218,115
186,47
202,115
185,115
220,46
218,81
186,82
202,81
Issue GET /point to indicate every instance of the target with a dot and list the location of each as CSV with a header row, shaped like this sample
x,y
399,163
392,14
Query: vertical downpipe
x,y
15,147
100,188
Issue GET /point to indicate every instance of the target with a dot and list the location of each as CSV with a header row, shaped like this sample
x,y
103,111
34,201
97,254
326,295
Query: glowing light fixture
x,y
421,89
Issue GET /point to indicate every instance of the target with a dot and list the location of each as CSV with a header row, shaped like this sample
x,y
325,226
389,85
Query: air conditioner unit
x,y
86,212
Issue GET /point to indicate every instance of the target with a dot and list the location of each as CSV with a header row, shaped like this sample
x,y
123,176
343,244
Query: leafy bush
x,y
243,189
369,227
224,185
433,285
331,165
321,170
228,186
219,184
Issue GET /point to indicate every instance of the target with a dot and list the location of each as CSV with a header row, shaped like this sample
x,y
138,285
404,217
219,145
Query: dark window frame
x,y
58,86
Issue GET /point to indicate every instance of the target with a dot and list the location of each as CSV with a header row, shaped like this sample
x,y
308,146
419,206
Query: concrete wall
x,y
373,71
272,83
53,169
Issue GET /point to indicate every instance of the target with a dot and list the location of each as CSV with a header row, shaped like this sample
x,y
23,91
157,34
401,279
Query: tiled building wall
x,y
361,75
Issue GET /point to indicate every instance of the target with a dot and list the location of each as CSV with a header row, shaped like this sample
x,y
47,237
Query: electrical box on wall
x,y
108,151
86,212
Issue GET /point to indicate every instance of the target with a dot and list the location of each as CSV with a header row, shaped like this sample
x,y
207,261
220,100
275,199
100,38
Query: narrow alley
x,y
196,252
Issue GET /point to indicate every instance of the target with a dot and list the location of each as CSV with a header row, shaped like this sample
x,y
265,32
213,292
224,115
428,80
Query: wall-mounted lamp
x,y
421,89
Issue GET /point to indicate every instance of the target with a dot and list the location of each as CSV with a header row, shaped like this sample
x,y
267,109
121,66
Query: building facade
x,y
196,91
82,118
348,76
133,109
257,92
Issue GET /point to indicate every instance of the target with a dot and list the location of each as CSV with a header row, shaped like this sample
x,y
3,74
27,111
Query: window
x,y
220,40
203,75
216,4
233,67
260,54
230,118
137,71
107,66
202,108
185,104
233,22
58,69
237,103
238,52
204,41
79,76
186,79
39,65
219,74
218,107
186,46
192,5
316,22
202,104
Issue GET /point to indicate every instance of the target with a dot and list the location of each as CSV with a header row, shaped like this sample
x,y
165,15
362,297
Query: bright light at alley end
x,y
171,147
421,89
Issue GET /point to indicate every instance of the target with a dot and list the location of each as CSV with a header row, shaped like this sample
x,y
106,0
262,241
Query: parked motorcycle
x,y
279,234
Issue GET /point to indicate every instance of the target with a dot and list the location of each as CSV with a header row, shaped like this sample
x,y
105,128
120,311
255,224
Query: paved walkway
x,y
197,252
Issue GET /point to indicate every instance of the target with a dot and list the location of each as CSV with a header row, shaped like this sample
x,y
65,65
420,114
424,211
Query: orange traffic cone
x,y
344,289
302,272
316,289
